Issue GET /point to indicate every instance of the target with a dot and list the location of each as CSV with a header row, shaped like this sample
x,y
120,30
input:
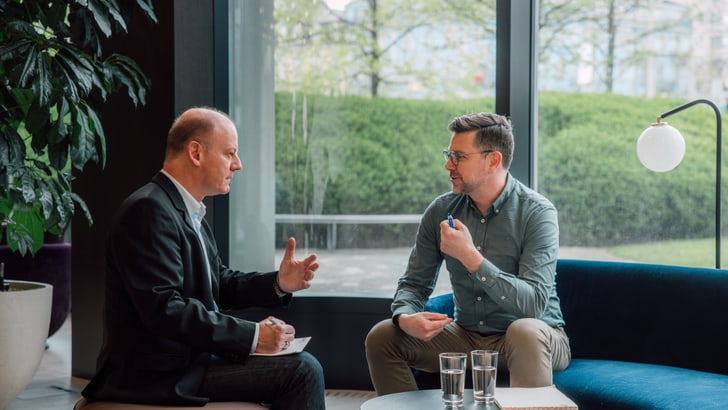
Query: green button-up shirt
x,y
519,238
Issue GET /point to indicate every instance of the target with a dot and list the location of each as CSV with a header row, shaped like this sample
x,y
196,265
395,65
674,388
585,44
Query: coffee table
x,y
421,400
511,398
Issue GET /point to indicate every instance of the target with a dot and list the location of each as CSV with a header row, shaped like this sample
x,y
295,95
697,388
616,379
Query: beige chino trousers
x,y
530,350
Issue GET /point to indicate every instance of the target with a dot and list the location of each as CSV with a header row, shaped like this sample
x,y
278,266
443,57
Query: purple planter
x,y
52,265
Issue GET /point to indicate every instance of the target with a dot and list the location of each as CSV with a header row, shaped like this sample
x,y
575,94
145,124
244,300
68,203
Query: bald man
x,y
166,338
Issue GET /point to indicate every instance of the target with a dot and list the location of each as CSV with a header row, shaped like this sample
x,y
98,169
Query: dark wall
x,y
135,150
338,326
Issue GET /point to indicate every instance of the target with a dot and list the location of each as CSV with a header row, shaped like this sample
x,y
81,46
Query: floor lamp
x,y
661,147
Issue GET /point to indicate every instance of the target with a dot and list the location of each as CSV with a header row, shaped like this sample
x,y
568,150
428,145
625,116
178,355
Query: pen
x,y
274,321
449,220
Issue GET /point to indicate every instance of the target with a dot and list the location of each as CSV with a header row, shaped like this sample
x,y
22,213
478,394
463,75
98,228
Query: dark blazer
x,y
160,326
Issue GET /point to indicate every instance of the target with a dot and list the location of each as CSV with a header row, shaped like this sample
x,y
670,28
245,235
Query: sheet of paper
x,y
297,346
533,398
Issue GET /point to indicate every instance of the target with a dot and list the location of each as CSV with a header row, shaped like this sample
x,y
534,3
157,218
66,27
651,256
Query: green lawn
x,y
695,252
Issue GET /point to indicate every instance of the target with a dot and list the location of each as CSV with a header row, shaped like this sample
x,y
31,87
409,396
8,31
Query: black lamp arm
x,y
718,164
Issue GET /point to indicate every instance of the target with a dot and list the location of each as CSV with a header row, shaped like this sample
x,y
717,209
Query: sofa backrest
x,y
668,315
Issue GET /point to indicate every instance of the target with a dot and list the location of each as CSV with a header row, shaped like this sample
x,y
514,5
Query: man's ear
x,y
495,160
194,151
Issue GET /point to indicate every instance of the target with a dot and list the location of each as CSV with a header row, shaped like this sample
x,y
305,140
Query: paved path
x,y
376,271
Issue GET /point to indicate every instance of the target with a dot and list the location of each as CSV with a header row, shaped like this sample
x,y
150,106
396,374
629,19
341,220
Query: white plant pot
x,y
25,314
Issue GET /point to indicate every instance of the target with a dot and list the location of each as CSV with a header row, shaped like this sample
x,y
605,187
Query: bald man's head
x,y
196,124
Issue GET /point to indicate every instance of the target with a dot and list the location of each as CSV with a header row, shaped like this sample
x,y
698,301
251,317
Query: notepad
x,y
541,398
297,346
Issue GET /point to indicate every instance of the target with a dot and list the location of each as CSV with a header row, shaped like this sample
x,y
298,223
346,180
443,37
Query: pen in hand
x,y
449,220
274,321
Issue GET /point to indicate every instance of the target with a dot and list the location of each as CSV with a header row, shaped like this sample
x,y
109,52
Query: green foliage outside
x,y
686,252
353,155
589,168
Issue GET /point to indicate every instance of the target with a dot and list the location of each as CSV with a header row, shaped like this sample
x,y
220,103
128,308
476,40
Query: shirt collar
x,y
495,208
196,209
503,197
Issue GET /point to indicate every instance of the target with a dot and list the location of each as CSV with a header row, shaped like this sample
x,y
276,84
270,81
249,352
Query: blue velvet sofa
x,y
642,336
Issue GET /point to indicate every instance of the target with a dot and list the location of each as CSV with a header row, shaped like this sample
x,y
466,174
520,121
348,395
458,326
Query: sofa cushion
x,y
636,312
607,384
441,304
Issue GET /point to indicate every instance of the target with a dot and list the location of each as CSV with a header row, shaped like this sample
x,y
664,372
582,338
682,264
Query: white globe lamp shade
x,y
660,147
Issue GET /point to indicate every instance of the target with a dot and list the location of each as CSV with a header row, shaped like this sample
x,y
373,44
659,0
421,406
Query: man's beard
x,y
462,188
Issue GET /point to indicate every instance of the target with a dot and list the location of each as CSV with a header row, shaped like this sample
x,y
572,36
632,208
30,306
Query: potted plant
x,y
53,76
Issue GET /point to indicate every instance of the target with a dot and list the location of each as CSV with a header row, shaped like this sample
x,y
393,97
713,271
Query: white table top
x,y
548,397
421,400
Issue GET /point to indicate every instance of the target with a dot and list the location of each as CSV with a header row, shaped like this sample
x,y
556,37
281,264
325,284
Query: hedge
x,y
355,155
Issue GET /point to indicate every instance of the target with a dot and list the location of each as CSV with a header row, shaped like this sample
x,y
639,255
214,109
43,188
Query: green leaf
x,y
4,152
45,199
27,186
85,148
18,238
124,70
86,29
63,108
100,17
70,91
36,123
31,66
58,143
58,154
15,146
42,166
116,14
80,59
25,98
25,233
42,85
148,8
19,47
64,202
98,129
76,68
84,208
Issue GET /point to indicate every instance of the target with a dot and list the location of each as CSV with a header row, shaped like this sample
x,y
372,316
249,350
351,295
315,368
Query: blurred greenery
x,y
355,155
688,252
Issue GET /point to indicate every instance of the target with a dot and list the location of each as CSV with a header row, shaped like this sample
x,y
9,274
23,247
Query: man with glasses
x,y
499,241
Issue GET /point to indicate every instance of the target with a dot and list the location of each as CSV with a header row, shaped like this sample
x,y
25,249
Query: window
x,y
345,106
606,71
350,108
364,93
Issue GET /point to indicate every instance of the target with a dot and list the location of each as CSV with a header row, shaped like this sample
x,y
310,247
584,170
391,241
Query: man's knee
x,y
379,335
311,369
527,332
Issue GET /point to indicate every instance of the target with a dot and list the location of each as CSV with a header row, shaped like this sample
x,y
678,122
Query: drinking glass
x,y
452,378
485,371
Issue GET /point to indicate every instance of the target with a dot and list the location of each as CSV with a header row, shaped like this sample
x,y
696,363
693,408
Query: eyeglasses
x,y
456,156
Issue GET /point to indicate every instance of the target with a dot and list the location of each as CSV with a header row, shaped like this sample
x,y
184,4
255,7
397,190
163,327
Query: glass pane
x,y
607,70
364,91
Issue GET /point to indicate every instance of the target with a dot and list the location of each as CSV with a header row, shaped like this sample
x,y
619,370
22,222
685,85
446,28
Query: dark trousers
x,y
283,382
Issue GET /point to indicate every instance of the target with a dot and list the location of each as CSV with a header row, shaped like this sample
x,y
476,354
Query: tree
x,y
371,44
587,32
